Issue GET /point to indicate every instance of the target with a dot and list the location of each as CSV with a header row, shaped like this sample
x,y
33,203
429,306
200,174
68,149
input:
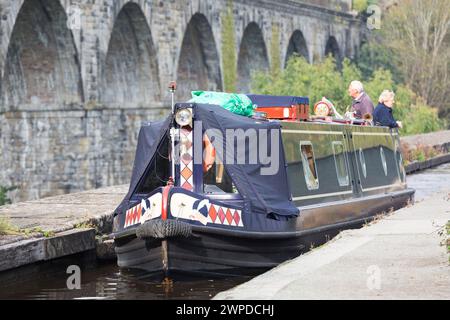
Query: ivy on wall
x,y
229,49
275,50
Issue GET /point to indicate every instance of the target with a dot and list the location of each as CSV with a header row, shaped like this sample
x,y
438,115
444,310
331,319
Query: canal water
x,y
106,281
430,181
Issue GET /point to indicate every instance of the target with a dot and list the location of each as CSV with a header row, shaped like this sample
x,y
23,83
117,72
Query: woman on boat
x,y
382,115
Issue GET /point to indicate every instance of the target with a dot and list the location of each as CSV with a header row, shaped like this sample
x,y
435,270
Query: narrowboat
x,y
216,192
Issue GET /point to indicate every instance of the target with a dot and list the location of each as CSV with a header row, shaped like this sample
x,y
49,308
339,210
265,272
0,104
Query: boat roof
x,y
277,101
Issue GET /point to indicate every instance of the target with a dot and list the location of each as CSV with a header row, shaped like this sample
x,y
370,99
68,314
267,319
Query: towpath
x,y
403,256
433,139
57,226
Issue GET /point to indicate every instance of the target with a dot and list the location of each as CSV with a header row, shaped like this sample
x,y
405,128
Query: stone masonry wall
x,y
78,77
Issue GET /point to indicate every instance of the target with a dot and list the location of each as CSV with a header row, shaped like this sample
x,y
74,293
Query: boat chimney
x,y
172,89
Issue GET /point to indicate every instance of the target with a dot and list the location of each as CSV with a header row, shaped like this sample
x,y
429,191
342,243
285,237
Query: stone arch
x,y
199,63
130,76
297,45
252,56
332,48
42,65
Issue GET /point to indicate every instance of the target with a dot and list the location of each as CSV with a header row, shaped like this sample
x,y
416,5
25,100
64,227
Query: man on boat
x,y
362,106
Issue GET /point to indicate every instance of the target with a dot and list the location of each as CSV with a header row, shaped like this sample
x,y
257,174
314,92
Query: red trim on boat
x,y
165,202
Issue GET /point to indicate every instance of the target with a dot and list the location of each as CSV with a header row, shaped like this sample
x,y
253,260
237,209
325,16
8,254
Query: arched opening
x,y
130,76
332,48
42,65
199,64
252,56
297,45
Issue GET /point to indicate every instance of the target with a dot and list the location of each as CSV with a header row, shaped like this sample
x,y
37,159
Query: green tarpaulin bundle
x,y
236,103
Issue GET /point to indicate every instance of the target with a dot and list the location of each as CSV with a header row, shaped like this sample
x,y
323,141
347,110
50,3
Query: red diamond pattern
x,y
229,217
186,159
213,213
187,186
237,218
221,216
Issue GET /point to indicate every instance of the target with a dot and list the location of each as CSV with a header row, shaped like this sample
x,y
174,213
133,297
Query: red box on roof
x,y
282,107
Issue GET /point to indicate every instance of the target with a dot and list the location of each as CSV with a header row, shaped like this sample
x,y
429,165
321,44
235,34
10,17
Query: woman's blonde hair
x,y
386,95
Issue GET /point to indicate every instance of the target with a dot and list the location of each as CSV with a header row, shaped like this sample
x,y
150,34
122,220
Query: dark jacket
x,y
362,106
382,116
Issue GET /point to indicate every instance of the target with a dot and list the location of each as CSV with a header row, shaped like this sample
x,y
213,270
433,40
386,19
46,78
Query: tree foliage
x,y
4,199
417,34
360,5
374,55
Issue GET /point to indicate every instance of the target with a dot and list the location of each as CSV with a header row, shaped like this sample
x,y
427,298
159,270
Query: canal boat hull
x,y
227,252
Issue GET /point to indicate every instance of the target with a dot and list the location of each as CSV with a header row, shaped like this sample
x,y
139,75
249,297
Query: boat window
x,y
215,177
362,160
158,172
309,165
383,160
341,163
217,180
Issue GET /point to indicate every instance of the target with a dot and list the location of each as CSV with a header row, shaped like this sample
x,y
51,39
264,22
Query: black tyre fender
x,y
162,229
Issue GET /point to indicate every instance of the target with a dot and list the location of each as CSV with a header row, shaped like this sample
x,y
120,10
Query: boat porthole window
x,y
340,162
362,160
383,160
309,165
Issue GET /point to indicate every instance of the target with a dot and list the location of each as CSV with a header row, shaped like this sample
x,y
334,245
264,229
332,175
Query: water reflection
x,y
108,282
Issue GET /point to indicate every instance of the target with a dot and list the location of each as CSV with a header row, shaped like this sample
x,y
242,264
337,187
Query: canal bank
x,y
59,226
435,143
402,256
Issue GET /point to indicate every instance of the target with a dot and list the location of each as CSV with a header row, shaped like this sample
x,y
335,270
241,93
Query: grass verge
x,y
6,228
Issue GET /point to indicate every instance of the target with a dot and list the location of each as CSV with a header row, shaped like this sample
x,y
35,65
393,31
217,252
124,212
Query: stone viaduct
x,y
78,77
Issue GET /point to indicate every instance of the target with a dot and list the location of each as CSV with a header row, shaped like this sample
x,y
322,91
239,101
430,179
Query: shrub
x,y
6,228
4,195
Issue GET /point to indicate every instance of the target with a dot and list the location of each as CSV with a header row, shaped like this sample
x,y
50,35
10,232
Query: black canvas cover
x,y
268,194
150,136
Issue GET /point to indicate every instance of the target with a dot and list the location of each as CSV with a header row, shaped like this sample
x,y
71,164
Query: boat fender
x,y
162,229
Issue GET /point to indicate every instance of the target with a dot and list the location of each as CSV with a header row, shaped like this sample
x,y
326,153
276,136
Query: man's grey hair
x,y
386,95
357,85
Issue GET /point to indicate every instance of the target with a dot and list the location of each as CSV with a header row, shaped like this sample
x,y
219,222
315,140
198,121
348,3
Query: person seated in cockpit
x,y
215,177
382,116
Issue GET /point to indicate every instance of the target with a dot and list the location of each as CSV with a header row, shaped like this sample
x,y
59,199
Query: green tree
x,y
360,5
374,55
229,49
313,80
4,199
417,33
